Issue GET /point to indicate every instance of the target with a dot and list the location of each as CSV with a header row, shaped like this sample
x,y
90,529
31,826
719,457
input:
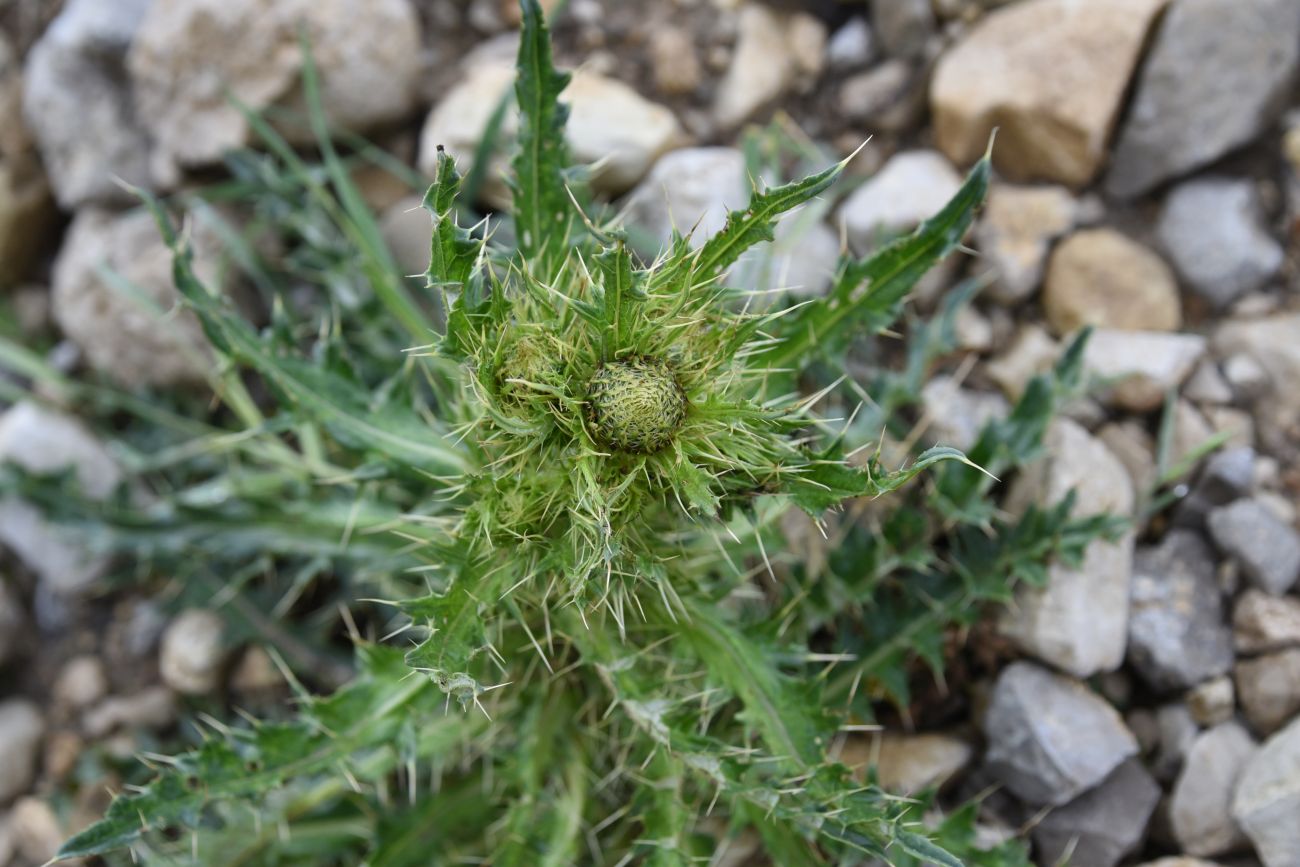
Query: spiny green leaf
x,y
252,761
744,229
827,480
776,705
392,430
544,214
621,294
453,253
868,294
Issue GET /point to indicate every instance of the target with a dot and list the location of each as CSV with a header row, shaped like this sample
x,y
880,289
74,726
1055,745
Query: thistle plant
x,y
562,509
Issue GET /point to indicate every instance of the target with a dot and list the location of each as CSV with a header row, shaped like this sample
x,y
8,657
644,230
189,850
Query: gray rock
x,y
1078,620
1226,476
1102,825
853,46
1267,799
690,188
1269,687
192,654
904,26
21,731
1207,385
1263,623
44,441
863,97
120,335
1177,732
1213,231
1200,813
1216,76
1213,701
1267,549
1176,634
1050,738
78,106
187,58
957,415
910,188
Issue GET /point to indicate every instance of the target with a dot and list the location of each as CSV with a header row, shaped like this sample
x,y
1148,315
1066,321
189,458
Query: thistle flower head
x,y
636,405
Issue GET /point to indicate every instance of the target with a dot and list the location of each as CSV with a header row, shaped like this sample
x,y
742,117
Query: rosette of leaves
x,y
564,496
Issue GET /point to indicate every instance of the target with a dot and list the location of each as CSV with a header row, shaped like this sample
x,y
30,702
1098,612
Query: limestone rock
x,y
1262,623
44,441
79,107
1051,74
773,50
1032,351
1269,687
1200,805
1273,343
1017,227
957,415
187,58
910,188
1051,738
192,652
906,764
1267,799
1140,366
1217,73
1078,620
904,26
120,337
1099,277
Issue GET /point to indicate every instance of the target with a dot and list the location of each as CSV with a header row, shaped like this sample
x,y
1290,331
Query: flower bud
x,y
635,405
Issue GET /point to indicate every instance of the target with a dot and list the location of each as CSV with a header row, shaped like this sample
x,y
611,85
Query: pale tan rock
x,y
1015,231
674,60
1138,367
188,58
1051,74
1099,277
192,652
1032,351
773,50
906,764
121,336
1078,620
